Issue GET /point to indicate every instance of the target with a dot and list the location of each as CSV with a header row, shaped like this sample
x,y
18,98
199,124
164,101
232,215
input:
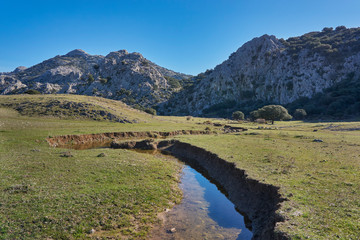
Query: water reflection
x,y
204,213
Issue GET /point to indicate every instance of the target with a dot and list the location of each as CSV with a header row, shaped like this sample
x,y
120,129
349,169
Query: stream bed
x,y
204,213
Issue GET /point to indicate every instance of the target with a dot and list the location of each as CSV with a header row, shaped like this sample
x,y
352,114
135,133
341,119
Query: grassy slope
x,y
34,105
45,195
321,179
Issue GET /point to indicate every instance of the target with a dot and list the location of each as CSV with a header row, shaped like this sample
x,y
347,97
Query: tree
x,y
274,112
238,115
300,114
254,115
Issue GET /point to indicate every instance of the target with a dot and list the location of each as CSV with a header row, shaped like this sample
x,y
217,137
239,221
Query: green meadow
x,y
45,194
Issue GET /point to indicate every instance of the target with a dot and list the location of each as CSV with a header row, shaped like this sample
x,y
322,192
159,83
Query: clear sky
x,y
187,36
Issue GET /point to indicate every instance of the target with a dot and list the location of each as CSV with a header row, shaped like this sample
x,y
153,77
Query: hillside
x,y
68,106
120,75
270,70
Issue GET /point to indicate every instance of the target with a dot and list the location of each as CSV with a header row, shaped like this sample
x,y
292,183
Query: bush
x,y
274,112
173,82
188,118
300,114
32,91
150,111
90,78
238,115
103,80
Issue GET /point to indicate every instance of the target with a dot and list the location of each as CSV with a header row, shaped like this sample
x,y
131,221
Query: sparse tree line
x,y
271,113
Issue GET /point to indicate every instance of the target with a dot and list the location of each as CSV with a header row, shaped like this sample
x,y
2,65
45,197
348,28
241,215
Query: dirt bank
x,y
258,201
91,140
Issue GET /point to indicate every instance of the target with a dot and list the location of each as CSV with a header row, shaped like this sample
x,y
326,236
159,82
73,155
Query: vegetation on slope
x,y
335,45
341,101
73,107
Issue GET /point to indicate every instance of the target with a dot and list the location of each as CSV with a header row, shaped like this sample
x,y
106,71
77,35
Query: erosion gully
x,y
220,201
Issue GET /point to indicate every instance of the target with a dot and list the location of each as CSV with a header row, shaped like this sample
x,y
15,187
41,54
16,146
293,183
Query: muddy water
x,y
204,213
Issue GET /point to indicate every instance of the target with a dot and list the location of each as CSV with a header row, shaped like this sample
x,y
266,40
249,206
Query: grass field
x,y
320,179
44,195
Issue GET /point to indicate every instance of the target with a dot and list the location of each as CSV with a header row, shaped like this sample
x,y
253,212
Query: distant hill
x,y
120,75
266,70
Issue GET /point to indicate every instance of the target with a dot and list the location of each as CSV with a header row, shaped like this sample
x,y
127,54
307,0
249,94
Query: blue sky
x,y
182,35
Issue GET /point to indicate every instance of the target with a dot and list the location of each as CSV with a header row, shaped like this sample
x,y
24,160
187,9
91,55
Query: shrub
x,y
103,80
300,114
32,91
238,115
173,82
90,78
188,118
150,111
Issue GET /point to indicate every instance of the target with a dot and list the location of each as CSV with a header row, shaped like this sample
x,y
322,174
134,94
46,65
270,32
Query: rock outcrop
x,y
272,70
265,70
120,75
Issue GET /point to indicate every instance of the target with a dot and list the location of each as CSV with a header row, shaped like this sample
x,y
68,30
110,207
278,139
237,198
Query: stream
x,y
204,213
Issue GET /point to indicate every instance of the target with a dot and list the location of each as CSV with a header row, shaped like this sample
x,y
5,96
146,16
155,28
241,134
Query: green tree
x,y
274,112
254,115
300,114
238,115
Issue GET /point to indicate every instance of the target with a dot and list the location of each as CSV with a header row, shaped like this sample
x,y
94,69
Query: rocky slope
x,y
119,75
270,70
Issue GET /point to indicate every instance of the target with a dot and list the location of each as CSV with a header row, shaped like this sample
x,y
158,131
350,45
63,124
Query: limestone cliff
x,y
119,75
271,70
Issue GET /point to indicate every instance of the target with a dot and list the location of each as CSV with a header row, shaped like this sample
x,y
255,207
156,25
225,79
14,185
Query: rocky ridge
x,y
120,75
271,70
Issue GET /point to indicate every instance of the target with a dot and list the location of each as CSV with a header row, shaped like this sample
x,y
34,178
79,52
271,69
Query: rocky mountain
x,y
271,70
120,75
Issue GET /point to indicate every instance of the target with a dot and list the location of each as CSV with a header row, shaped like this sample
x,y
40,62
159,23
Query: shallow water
x,y
204,213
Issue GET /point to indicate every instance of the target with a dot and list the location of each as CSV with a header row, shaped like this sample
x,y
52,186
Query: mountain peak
x,y
77,53
19,69
123,52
